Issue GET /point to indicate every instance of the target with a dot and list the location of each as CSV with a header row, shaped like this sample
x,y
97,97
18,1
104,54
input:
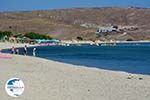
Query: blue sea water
x,y
122,57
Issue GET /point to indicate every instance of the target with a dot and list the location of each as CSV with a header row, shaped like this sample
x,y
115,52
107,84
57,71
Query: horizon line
x,y
47,9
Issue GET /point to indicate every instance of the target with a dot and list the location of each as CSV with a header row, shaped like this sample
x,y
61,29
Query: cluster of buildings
x,y
106,29
116,29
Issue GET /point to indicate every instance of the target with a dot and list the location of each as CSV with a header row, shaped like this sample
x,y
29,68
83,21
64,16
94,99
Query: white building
x,y
106,29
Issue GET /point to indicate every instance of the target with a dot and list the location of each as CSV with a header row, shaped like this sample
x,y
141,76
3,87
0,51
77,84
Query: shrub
x,y
33,35
5,34
79,38
129,39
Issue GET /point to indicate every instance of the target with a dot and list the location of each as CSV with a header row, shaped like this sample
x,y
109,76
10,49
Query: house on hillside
x,y
13,39
106,29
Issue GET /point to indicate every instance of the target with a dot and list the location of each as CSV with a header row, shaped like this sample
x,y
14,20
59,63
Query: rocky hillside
x,y
80,22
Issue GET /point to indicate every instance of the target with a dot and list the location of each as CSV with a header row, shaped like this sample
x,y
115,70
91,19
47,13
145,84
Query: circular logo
x,y
14,87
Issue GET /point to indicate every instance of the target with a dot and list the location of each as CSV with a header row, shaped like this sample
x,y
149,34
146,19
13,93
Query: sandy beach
x,y
50,80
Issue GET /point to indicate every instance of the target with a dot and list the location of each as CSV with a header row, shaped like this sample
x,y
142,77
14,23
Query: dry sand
x,y
49,80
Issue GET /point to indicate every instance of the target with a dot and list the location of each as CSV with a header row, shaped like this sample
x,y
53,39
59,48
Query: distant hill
x,y
79,22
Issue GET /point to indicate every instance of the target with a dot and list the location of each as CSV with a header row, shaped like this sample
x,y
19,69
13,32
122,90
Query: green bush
x,y
5,34
129,39
79,38
33,35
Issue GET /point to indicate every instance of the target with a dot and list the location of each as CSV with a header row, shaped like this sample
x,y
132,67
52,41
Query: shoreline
x,y
7,46
78,66
70,82
102,42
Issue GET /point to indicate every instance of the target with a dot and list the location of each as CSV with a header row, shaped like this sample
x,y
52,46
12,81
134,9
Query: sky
x,y
28,5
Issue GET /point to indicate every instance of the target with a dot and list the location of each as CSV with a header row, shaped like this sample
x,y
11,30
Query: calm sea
x,y
132,58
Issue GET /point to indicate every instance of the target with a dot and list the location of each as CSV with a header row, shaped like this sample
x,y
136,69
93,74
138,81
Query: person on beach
x,y
17,51
25,50
34,51
13,50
